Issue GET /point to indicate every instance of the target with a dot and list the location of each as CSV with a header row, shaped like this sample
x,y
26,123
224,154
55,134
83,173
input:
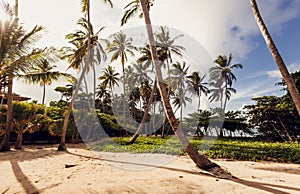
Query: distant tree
x,y
109,79
166,46
197,87
43,74
222,78
274,117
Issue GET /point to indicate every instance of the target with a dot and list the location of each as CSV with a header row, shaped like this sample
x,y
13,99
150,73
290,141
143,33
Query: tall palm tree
x,y
276,55
109,79
16,55
197,87
223,77
120,47
85,46
200,160
42,74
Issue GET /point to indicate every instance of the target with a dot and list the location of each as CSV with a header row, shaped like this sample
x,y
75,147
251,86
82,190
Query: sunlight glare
x,y
3,16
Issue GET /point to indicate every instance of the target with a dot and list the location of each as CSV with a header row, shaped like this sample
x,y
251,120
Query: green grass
x,y
239,149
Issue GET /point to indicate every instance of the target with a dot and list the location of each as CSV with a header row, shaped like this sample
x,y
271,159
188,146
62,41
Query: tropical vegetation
x,y
142,97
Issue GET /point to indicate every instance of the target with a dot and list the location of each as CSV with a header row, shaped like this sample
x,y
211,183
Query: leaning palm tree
x,y
83,52
42,74
276,55
16,55
200,160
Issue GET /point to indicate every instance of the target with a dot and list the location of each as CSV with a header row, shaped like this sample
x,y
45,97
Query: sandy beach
x,y
42,169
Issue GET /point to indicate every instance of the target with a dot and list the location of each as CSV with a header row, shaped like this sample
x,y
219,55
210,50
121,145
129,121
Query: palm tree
x,y
177,83
178,78
166,45
197,86
140,73
200,160
120,46
133,8
179,101
276,55
223,77
16,55
85,46
109,79
42,74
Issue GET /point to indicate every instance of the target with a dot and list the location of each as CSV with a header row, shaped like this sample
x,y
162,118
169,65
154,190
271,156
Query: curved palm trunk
x,y
137,133
62,145
276,55
5,143
200,160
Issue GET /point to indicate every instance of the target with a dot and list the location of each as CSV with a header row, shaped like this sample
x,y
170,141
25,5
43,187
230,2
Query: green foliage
x,y
110,124
26,116
239,149
274,117
56,115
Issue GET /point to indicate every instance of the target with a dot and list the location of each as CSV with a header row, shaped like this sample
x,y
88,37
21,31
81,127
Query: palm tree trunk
x,y
5,143
18,145
44,93
200,160
17,7
276,55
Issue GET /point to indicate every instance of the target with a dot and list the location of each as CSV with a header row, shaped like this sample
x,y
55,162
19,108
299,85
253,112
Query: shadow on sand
x,y
272,188
17,156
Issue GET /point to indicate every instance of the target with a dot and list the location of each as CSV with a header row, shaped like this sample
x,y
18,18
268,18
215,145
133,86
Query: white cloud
x,y
223,26
276,73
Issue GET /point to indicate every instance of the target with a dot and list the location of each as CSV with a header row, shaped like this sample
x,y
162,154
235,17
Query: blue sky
x,y
221,27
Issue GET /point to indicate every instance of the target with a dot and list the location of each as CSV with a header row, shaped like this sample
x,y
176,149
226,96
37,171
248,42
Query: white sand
x,y
41,169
